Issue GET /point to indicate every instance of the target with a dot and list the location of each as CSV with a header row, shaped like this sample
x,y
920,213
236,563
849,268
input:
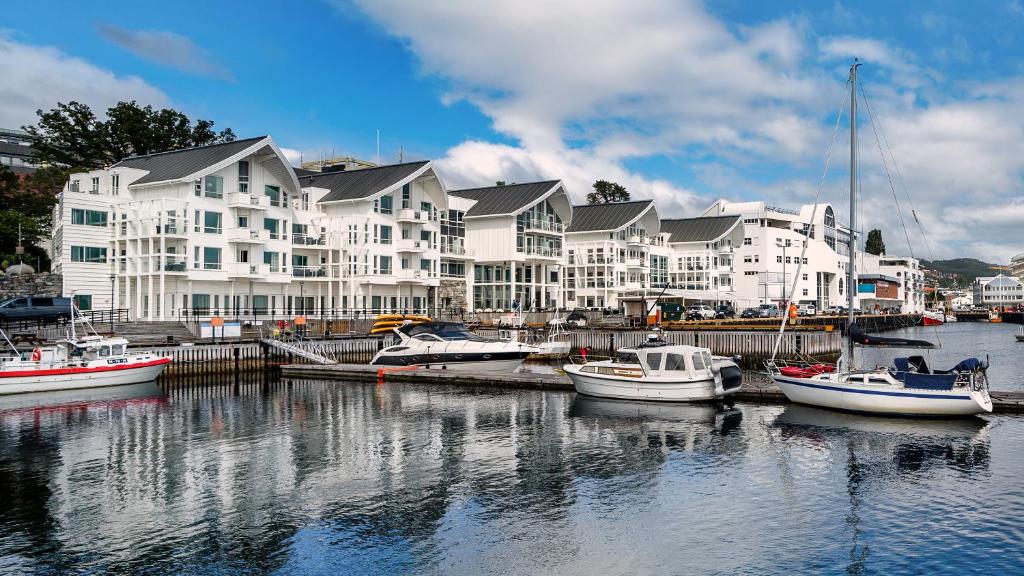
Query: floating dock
x,y
760,391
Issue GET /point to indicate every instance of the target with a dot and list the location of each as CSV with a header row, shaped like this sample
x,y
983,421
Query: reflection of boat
x,y
809,416
59,400
1020,334
89,361
450,346
724,419
658,371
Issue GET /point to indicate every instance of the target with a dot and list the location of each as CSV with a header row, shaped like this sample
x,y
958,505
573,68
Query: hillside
x,y
966,268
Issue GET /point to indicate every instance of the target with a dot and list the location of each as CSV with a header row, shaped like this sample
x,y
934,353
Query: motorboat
x,y
658,371
89,361
554,346
451,346
936,318
908,387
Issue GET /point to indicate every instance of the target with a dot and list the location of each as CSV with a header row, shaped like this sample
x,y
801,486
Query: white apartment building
x,y
1017,266
701,258
770,251
516,233
889,282
998,291
609,253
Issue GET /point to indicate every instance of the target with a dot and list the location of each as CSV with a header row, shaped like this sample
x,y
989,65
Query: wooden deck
x,y
761,392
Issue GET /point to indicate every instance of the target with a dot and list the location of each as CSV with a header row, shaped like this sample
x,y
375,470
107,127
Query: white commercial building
x,y
998,291
889,282
1017,266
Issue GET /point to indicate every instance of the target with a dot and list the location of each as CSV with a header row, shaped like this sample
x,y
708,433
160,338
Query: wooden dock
x,y
761,391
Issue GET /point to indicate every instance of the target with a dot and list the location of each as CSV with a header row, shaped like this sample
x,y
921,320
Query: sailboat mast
x,y
851,280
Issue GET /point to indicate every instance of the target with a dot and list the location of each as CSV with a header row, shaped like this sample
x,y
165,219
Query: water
x,y
343,478
960,340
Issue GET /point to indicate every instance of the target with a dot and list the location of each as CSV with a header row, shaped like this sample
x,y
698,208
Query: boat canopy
x,y
443,330
858,336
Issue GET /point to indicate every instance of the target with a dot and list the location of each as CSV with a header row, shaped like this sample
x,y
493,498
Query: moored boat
x,y
450,346
658,371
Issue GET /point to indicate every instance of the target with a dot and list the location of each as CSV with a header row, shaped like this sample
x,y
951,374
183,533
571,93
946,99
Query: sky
x,y
681,101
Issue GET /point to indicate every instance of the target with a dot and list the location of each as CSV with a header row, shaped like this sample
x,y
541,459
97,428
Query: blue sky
x,y
681,101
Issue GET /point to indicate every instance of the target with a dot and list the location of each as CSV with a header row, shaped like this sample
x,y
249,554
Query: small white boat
x,y
553,347
78,362
450,346
658,371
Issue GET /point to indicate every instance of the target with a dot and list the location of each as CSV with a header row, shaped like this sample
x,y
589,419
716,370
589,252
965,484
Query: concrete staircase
x,y
150,333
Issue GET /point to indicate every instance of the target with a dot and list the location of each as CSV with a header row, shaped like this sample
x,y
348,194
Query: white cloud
x,y
37,77
167,49
294,156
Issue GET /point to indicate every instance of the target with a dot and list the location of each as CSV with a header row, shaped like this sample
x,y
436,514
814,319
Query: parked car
x,y
768,311
807,309
725,311
32,308
750,313
700,312
574,319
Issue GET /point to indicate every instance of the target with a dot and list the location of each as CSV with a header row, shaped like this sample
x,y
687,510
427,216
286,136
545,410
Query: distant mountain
x,y
966,268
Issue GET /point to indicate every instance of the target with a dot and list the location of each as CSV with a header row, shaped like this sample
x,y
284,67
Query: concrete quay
x,y
761,391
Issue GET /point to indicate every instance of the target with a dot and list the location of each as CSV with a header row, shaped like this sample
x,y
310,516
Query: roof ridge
x,y
620,203
506,186
191,148
364,169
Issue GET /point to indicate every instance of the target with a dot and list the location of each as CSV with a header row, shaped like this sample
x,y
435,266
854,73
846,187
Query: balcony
x,y
543,226
638,241
175,264
410,215
248,235
543,252
637,263
310,241
248,269
456,251
173,227
243,200
310,272
413,276
407,245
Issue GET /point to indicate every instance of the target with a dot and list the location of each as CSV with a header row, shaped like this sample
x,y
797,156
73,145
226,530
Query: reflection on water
x,y
312,477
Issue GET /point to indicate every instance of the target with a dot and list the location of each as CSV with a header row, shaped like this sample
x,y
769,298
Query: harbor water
x,y
307,477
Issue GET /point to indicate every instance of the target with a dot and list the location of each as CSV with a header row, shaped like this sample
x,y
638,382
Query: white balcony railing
x,y
248,269
543,226
406,245
410,215
248,235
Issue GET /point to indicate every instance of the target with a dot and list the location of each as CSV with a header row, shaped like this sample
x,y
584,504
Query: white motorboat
x,y
450,346
554,346
659,371
77,362
906,388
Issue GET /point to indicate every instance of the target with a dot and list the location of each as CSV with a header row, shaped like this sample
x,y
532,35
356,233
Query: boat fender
x,y
37,355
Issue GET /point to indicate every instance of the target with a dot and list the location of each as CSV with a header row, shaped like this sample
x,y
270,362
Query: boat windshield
x,y
626,358
443,330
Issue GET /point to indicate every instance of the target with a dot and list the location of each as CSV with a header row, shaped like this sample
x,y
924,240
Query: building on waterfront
x,y
1017,266
772,246
16,152
610,255
887,282
517,233
701,258
998,291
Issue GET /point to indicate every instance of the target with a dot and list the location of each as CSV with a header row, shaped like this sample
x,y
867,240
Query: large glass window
x,y
387,204
211,222
272,259
273,226
274,193
83,301
213,187
88,217
243,175
385,264
385,234
406,195
211,258
89,254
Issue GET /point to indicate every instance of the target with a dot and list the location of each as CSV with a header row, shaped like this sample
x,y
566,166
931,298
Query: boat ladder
x,y
310,353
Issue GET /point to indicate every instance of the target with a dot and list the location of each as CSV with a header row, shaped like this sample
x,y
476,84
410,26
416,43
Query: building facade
x,y
1017,266
998,291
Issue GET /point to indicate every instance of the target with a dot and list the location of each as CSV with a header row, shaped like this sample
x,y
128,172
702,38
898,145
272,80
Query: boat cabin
x,y
663,360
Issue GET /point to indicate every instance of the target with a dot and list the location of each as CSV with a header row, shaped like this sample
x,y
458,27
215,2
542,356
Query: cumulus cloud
x,y
37,77
584,87
167,49
294,156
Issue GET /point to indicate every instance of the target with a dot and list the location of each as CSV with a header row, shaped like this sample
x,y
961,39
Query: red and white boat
x,y
90,361
936,318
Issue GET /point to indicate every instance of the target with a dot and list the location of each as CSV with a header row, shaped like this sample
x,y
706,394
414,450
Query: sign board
x,y
216,321
221,330
300,320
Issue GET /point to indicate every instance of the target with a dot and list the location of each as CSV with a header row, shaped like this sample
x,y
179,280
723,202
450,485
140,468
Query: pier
x,y
760,391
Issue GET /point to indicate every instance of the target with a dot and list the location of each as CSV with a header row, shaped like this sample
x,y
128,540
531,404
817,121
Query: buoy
x,y
37,355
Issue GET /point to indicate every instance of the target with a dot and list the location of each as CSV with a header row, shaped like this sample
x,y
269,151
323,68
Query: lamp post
x,y
112,278
784,283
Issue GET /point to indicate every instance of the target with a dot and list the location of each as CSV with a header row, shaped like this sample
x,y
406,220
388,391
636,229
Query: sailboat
x,y
908,387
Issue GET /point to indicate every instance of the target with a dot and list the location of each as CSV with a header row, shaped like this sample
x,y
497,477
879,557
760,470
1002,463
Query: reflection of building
x,y
998,291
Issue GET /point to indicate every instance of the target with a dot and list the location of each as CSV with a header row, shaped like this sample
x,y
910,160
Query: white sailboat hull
x,y
832,393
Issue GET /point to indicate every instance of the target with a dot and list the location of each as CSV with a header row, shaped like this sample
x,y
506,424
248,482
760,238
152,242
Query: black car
x,y
750,313
33,308
725,311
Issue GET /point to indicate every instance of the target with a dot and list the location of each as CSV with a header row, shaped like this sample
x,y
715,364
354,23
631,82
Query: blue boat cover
x,y
968,365
928,381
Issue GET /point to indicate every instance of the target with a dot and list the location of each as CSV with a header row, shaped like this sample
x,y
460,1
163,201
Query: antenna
x,y
378,146
401,154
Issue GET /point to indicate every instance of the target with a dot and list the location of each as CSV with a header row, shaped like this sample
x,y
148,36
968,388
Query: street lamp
x,y
112,278
782,245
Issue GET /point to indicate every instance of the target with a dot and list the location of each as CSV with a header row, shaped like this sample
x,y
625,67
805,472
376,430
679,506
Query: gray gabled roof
x,y
607,217
502,200
362,183
176,164
300,172
705,229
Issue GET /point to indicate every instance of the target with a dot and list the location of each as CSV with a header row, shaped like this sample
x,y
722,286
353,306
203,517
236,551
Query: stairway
x,y
149,333
298,351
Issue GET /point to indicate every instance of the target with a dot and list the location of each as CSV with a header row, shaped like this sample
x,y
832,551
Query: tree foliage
x,y
874,244
71,135
605,192
28,203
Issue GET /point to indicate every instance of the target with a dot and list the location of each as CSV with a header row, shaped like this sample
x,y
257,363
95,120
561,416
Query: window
x,y
385,234
211,222
778,259
243,221
271,225
272,259
243,176
198,187
654,360
425,265
698,361
211,258
214,187
406,194
385,264
747,242
274,193
74,186
89,254
201,301
805,278
386,204
115,184
674,362
83,301
95,189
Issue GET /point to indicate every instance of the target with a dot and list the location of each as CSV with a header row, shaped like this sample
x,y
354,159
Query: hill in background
x,y
965,269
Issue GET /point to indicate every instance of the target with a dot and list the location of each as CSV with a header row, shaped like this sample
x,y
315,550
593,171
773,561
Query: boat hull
x,y
663,390
23,381
551,350
860,398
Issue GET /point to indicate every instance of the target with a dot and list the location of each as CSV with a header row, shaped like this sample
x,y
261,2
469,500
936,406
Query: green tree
x,y
874,244
605,192
500,183
71,135
28,204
